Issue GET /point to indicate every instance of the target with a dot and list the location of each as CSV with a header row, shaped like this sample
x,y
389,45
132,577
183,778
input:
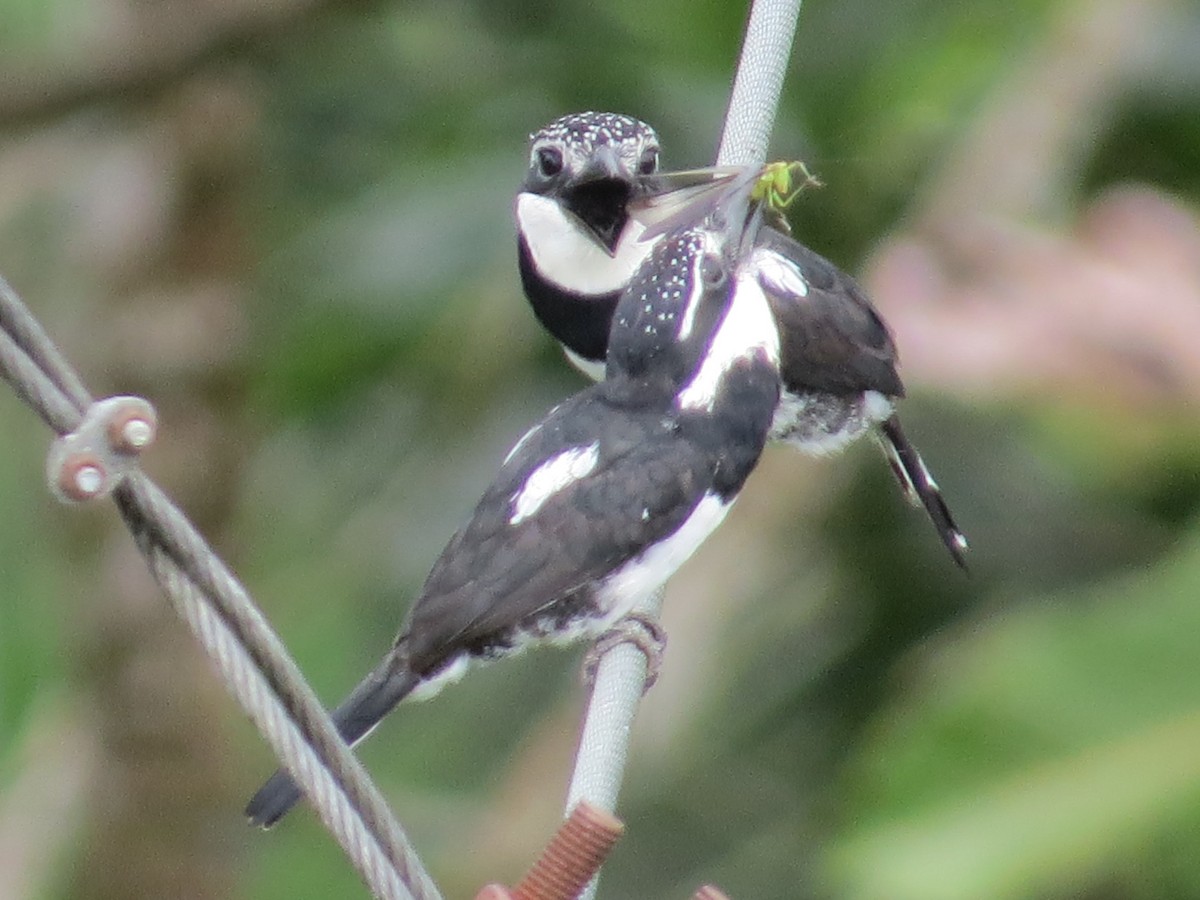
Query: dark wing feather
x,y
494,575
832,339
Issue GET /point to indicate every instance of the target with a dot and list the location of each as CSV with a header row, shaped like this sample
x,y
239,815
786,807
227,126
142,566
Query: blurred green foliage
x,y
874,724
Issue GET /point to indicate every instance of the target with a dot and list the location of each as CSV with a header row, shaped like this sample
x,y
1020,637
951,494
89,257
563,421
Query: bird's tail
x,y
355,718
919,486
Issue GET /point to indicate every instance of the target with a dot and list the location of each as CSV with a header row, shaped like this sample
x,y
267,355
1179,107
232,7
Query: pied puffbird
x,y
580,242
599,504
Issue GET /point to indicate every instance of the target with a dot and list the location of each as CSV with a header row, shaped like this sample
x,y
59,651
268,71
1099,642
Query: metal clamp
x,y
93,459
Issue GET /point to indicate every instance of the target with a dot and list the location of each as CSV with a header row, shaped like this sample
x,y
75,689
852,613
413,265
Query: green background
x,y
288,225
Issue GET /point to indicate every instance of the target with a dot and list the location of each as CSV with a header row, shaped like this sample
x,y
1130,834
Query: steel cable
x,y
247,654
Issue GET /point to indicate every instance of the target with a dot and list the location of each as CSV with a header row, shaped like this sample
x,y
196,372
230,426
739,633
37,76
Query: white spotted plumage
x,y
823,424
579,135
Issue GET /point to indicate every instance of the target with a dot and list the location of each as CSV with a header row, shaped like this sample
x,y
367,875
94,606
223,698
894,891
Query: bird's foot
x,y
639,629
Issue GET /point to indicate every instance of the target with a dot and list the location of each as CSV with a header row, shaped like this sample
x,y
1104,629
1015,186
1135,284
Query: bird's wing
x,y
500,569
831,338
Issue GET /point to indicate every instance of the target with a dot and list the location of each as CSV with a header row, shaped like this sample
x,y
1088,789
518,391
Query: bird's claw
x,y
639,629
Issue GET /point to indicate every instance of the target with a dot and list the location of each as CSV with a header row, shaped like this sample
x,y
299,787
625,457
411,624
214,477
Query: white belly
x,y
647,572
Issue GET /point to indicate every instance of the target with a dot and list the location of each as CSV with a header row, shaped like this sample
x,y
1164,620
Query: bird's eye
x,y
712,271
648,164
549,161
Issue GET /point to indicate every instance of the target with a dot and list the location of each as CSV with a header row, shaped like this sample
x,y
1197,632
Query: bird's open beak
x,y
598,195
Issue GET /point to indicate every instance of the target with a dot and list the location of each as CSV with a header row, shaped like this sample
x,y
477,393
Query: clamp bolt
x,y
81,476
132,428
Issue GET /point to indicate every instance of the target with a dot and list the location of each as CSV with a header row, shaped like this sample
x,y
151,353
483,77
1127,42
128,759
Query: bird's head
x,y
686,302
593,163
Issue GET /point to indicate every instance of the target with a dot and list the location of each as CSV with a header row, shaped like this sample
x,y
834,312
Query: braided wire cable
x,y
750,116
620,675
249,657
148,512
33,386
247,683
18,324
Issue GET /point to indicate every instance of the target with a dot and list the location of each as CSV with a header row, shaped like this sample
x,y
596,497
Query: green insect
x,y
686,197
779,184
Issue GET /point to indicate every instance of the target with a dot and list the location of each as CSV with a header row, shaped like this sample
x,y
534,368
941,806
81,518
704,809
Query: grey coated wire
x,y
620,675
250,658
33,387
766,49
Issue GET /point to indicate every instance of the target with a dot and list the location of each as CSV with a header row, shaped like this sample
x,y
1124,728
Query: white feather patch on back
x,y
877,406
748,328
551,477
777,274
566,254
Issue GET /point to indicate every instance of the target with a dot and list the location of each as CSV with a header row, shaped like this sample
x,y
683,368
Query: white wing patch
x,y
747,328
778,275
564,253
551,477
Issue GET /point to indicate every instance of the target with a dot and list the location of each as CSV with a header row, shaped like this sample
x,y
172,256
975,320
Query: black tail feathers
x,y
355,718
920,488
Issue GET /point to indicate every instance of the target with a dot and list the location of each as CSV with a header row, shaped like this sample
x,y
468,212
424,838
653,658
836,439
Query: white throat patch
x,y
565,254
747,328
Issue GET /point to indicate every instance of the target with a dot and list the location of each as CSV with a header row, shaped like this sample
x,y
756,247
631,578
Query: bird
x,y
580,239
600,502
